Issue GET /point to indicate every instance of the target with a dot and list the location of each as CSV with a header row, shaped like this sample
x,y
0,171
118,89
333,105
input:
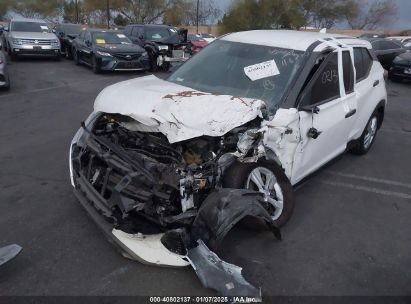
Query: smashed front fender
x,y
224,208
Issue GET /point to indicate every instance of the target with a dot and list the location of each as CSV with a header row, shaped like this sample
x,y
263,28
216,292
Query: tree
x,y
370,15
263,14
325,13
119,20
49,9
71,13
5,5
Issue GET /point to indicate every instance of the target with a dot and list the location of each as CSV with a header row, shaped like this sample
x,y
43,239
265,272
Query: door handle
x,y
351,113
377,82
313,133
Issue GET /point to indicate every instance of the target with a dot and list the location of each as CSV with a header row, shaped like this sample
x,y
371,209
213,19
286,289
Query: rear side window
x,y
363,62
385,45
348,72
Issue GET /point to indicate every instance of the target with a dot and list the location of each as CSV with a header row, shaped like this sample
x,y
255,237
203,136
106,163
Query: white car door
x,y
326,112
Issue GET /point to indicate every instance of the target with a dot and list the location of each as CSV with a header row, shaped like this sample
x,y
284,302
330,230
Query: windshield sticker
x,y
44,27
121,36
100,41
261,70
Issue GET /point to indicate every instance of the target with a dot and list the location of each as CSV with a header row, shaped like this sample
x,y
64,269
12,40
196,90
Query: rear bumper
x,y
400,72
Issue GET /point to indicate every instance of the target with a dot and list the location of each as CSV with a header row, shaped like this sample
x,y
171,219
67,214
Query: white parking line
x,y
368,189
371,179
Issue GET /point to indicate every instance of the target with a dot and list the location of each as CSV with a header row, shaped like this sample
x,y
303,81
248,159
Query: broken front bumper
x,y
146,249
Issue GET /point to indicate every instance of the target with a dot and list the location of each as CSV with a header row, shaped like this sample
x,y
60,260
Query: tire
x,y
75,57
13,57
94,65
239,176
153,62
367,138
67,52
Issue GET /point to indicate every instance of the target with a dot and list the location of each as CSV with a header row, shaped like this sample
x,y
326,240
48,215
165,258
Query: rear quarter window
x,y
362,62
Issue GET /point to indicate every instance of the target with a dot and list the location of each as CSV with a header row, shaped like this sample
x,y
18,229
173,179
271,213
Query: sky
x,y
401,23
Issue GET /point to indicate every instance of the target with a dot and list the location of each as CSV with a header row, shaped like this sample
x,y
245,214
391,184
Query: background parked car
x,y
195,43
4,75
1,29
31,37
402,39
67,32
164,44
386,50
108,51
401,67
207,37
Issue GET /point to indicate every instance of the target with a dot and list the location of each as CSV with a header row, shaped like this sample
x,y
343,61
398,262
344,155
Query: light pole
x,y
108,14
198,4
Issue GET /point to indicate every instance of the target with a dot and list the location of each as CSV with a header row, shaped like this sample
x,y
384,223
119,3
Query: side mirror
x,y
88,42
313,110
141,37
53,31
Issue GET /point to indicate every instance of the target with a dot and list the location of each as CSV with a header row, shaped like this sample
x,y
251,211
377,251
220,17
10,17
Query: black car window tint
x,y
326,85
389,45
359,64
88,37
134,31
348,72
367,61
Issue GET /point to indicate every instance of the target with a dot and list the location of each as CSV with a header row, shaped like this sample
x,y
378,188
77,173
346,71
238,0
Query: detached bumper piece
x,y
8,253
219,275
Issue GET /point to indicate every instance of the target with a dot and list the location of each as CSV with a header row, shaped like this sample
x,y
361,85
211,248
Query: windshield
x,y
72,29
157,33
29,27
110,38
241,70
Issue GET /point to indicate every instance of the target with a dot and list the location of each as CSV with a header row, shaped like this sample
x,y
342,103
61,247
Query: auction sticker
x,y
261,70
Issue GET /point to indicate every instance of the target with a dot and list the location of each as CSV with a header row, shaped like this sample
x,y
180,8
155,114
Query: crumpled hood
x,y
178,112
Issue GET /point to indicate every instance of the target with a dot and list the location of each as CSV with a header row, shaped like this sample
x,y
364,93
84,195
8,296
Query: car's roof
x,y
150,25
287,39
20,19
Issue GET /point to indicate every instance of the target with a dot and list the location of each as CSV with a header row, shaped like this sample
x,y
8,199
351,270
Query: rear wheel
x,y
367,138
269,179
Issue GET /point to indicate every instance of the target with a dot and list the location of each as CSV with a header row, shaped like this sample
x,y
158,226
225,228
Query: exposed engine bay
x,y
143,185
140,172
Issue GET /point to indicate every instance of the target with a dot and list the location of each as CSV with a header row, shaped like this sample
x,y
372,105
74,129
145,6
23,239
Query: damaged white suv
x,y
256,111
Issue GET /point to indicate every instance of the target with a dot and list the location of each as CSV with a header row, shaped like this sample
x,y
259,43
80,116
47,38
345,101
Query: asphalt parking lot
x,y
350,234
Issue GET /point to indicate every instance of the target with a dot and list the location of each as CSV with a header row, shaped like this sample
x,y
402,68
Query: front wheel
x,y
94,65
269,179
75,57
367,137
